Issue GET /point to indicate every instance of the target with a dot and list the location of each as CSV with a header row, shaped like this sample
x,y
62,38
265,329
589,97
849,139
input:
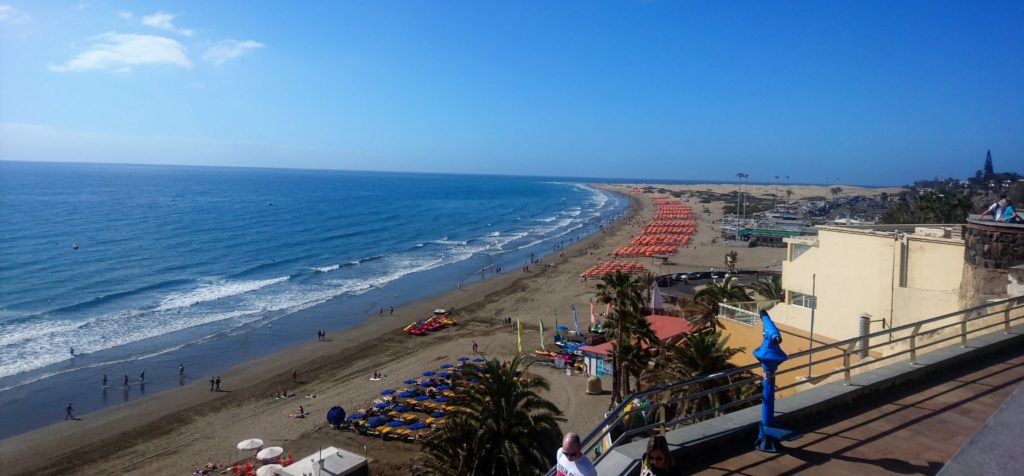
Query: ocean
x,y
140,267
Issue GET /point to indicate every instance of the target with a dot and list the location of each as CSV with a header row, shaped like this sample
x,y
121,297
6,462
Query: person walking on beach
x,y
67,412
125,380
475,347
181,370
295,375
211,383
392,311
104,380
217,383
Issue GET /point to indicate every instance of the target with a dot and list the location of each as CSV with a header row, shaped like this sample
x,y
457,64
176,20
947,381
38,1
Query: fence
x,y
626,422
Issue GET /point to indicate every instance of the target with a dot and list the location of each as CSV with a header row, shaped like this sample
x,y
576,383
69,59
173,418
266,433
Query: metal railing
x,y
917,336
746,312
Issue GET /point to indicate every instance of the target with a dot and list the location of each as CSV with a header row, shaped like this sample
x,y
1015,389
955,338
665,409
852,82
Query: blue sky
x,y
850,92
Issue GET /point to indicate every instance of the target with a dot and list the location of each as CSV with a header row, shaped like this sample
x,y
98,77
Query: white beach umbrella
x,y
250,444
269,452
656,298
270,470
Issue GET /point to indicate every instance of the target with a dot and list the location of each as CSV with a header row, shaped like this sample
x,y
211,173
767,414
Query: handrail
x,y
848,348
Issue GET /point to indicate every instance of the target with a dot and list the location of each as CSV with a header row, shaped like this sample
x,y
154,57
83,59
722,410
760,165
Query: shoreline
x,y
181,429
121,427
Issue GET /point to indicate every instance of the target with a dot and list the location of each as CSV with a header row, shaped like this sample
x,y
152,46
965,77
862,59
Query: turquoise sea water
x,y
174,262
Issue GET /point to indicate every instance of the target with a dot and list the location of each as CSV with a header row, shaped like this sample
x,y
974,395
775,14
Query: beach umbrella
x,y
269,453
387,392
437,414
444,375
356,416
446,366
427,384
409,382
429,373
421,398
561,328
376,421
462,359
479,360
396,423
250,444
472,380
440,399
406,394
270,470
401,408
380,405
417,426
335,415
443,387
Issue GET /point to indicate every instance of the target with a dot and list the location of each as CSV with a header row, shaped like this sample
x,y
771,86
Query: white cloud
x,y
229,49
11,14
120,52
126,15
162,21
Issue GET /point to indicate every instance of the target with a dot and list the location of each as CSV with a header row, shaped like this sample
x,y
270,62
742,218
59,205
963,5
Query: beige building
x,y
896,274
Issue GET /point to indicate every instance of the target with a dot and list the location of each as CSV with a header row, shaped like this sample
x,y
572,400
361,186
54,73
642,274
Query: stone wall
x,y
990,250
993,247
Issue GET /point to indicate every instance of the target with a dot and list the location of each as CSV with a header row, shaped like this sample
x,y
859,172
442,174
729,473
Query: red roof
x,y
665,327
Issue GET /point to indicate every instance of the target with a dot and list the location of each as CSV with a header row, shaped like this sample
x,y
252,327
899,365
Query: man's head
x,y
571,446
1003,200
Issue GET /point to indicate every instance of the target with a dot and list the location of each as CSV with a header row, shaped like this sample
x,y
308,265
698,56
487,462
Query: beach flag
x,y
574,321
519,335
556,322
593,320
541,322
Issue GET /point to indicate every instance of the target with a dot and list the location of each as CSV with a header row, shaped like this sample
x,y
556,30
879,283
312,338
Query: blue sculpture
x,y
770,355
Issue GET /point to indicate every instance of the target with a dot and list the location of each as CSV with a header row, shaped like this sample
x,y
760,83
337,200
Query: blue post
x,y
770,355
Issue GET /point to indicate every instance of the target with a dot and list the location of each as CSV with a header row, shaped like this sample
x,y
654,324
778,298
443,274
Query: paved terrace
x,y
914,428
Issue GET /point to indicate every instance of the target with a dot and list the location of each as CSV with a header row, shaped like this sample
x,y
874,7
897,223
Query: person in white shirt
x,y
996,209
570,458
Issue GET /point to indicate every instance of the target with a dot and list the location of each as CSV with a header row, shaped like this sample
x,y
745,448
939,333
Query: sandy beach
x,y
176,431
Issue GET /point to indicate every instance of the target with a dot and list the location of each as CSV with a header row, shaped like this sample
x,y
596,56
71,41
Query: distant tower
x,y
988,165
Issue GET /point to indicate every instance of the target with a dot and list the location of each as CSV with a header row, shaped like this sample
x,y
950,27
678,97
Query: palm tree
x,y
646,279
703,353
835,192
711,296
625,295
499,425
770,289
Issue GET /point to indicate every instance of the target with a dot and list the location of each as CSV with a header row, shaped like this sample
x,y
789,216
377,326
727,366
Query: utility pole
x,y
810,343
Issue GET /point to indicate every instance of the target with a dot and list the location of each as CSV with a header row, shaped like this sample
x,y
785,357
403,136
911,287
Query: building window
x,y
803,300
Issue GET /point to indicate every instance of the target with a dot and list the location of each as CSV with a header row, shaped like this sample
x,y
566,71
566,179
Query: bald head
x,y
571,443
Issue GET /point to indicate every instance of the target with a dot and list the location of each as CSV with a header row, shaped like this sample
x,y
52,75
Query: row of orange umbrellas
x,y
646,250
668,230
608,267
680,240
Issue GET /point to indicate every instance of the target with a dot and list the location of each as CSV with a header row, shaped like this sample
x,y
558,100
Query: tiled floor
x,y
914,429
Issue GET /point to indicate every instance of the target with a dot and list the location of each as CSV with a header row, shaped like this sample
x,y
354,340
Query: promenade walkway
x,y
915,428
